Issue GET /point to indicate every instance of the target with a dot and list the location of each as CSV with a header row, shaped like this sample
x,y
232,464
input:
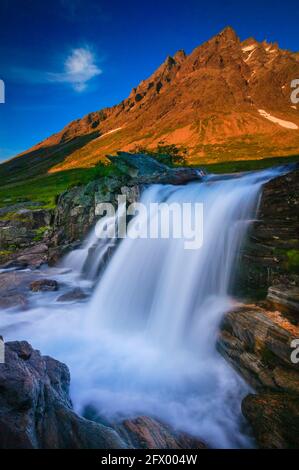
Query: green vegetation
x,y
44,189
13,216
40,232
170,155
5,252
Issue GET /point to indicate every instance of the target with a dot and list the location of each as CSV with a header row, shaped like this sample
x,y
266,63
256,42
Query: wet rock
x,y
13,300
44,285
257,342
73,295
285,299
147,433
14,289
14,281
35,407
274,418
32,257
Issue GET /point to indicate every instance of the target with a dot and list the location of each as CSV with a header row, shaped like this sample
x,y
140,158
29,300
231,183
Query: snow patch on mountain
x,y
281,122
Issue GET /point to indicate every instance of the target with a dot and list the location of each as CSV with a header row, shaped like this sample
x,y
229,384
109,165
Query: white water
x,y
145,342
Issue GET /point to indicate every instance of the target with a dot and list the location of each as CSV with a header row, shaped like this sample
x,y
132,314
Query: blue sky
x,y
62,59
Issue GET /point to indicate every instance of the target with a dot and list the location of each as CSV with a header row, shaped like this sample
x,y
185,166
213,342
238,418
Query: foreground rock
x,y
36,411
13,300
258,344
35,408
147,433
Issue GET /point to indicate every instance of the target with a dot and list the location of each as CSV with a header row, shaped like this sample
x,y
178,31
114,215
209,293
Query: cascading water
x,y
146,341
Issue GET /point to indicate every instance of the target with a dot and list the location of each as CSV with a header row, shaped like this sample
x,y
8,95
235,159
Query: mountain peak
x,y
203,101
229,33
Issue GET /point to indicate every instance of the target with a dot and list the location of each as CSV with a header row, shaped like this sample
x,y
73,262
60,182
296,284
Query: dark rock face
x,y
23,236
44,285
274,418
35,408
19,228
284,299
271,254
147,433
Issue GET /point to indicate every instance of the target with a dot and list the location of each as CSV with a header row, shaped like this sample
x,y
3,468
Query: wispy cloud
x,y
79,68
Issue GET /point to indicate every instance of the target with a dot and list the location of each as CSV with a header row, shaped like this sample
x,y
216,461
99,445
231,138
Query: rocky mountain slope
x,y
226,100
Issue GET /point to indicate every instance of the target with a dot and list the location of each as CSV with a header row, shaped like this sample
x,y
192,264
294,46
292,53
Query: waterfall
x,y
145,343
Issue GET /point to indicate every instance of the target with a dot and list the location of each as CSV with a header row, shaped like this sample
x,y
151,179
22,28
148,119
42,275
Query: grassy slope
x,y
46,187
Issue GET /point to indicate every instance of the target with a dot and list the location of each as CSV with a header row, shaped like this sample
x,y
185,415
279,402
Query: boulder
x,y
35,407
257,342
44,285
73,295
14,289
147,433
36,412
13,300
